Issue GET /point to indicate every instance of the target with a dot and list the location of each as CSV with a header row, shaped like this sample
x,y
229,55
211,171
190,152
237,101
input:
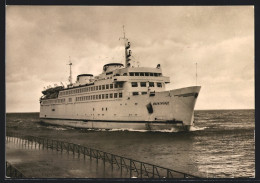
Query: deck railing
x,y
134,168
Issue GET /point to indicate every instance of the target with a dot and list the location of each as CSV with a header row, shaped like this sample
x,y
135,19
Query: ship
x,y
123,97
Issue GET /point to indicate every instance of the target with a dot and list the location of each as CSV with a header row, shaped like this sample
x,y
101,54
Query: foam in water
x,y
196,128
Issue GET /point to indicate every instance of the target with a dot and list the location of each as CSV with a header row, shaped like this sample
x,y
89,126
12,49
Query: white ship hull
x,y
166,110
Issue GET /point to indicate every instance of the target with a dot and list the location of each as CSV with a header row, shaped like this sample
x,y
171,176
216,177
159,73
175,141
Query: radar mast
x,y
127,51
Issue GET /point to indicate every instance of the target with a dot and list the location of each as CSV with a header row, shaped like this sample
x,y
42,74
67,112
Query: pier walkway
x,y
44,158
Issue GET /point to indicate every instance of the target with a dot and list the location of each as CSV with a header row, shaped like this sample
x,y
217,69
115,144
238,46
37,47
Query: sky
x,y
220,39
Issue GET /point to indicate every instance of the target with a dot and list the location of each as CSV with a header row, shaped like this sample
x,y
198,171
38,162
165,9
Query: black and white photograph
x,y
130,92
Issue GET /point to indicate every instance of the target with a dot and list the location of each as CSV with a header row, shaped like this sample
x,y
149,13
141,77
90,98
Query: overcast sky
x,y
40,39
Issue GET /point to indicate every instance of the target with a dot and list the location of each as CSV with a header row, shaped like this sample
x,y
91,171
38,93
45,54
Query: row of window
x,y
143,84
57,101
100,96
92,88
145,74
141,93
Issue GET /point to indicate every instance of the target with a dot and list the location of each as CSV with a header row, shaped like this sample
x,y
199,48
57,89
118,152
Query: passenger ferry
x,y
122,97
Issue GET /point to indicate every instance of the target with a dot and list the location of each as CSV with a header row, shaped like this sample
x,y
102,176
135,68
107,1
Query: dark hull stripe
x,y
117,121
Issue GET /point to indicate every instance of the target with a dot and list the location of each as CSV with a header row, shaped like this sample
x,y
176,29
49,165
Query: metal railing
x,y
134,168
12,171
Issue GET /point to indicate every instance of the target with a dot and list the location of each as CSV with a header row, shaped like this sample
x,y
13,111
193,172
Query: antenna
x,y
70,77
196,74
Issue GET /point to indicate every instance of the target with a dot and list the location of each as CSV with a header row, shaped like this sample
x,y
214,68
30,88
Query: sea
x,y
220,145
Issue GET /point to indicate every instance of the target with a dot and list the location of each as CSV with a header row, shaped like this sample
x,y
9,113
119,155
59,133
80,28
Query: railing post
x,y
141,169
84,151
121,168
112,161
153,171
130,168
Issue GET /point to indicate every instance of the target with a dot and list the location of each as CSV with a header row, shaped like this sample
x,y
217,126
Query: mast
x,y
70,76
196,74
127,51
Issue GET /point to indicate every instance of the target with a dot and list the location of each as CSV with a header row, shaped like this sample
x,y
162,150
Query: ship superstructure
x,y
121,97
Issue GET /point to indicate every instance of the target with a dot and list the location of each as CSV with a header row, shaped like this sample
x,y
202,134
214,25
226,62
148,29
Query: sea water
x,y
220,145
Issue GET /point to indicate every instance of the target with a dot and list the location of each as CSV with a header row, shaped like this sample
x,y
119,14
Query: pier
x,y
121,167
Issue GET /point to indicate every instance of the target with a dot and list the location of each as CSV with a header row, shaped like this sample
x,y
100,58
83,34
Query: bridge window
x,y
144,93
146,74
103,96
111,95
159,85
106,95
96,87
103,87
125,74
151,84
135,93
107,86
111,86
143,84
155,74
134,84
116,85
99,96
136,73
151,74
120,85
99,87
131,74
141,74
120,95
115,95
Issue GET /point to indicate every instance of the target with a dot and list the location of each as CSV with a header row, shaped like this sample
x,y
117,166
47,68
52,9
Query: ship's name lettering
x,y
161,103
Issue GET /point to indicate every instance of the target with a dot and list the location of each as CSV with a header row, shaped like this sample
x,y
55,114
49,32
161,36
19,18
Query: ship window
x,y
135,93
111,86
103,87
106,95
143,84
151,84
99,87
103,96
131,74
99,97
146,74
134,84
151,74
111,95
136,73
116,85
107,86
120,95
115,95
156,74
159,85
120,85
141,74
